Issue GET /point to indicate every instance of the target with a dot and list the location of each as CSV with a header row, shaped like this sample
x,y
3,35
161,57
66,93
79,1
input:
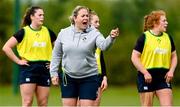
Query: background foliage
x,y
125,14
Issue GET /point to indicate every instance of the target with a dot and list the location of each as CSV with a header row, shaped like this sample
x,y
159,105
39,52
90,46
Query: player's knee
x,y
27,102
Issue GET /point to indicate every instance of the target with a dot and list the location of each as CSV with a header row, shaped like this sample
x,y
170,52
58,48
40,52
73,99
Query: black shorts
x,y
36,72
158,81
100,79
83,88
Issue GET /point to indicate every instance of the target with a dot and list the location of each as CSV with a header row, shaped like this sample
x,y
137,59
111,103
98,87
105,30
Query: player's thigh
x,y
86,102
42,93
69,102
27,90
146,98
164,96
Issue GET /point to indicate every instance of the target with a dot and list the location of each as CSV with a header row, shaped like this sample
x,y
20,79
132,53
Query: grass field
x,y
113,96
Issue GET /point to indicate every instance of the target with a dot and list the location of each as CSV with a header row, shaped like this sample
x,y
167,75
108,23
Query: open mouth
x,y
165,26
85,23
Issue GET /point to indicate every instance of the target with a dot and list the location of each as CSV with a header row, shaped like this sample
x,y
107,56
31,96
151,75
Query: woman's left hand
x,y
169,76
114,33
104,83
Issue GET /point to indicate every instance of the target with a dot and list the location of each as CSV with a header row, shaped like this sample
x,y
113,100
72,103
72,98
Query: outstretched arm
x,y
103,43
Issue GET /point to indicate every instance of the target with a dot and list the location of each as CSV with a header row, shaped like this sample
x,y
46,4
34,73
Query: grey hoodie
x,y
76,50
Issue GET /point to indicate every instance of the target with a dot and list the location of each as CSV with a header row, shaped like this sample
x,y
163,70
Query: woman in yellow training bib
x,y
34,45
154,56
94,20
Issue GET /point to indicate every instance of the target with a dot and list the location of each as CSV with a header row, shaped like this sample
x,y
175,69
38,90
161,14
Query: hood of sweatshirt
x,y
75,33
88,29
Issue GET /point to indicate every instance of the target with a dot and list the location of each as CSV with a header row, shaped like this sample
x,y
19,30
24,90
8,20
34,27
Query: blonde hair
x,y
153,18
91,14
75,13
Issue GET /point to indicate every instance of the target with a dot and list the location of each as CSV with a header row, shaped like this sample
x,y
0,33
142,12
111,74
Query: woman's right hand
x,y
55,80
23,62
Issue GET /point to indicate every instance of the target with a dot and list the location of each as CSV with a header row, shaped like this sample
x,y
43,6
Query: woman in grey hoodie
x,y
75,49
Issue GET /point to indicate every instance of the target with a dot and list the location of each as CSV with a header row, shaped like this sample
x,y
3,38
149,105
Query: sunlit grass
x,y
113,96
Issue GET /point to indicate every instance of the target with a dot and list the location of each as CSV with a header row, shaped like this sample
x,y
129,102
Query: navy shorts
x,y
158,81
36,72
84,88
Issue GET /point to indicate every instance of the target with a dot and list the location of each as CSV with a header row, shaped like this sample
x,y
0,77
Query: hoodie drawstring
x,y
79,40
64,79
